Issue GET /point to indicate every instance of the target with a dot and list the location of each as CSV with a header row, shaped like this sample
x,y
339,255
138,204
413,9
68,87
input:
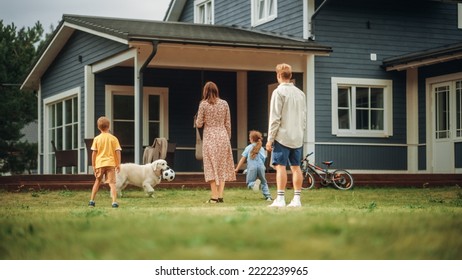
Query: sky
x,y
25,13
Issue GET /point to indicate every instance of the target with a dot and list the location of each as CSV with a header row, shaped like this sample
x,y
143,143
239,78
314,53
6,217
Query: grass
x,y
363,223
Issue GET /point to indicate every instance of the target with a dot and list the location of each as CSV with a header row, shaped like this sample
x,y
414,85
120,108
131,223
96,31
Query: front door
x,y
446,124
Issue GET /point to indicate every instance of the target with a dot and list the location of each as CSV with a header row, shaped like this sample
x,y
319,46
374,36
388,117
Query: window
x,y
203,11
459,109
362,107
459,15
122,112
263,11
62,126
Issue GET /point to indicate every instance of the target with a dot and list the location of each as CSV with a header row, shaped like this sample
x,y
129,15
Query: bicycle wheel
x,y
308,182
342,179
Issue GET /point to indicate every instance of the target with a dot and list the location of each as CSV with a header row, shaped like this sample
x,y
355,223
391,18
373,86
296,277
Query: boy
x,y
105,160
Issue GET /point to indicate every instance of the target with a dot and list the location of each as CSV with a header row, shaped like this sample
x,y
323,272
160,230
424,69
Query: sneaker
x,y
256,185
91,203
115,205
295,203
268,198
278,203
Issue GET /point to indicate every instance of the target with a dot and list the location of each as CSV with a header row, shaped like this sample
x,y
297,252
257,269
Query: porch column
x,y
242,132
412,120
89,109
138,139
308,83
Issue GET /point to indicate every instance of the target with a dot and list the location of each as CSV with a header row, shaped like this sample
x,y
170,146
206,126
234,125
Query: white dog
x,y
144,176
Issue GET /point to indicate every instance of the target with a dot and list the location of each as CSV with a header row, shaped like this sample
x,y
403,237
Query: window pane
x,y
377,120
344,97
343,119
59,114
362,119
59,138
261,9
442,112
124,107
362,97
272,8
153,131
68,111
124,131
52,119
376,97
76,112
208,13
154,106
68,133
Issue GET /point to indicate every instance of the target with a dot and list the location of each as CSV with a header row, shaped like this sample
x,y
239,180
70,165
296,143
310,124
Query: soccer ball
x,y
168,175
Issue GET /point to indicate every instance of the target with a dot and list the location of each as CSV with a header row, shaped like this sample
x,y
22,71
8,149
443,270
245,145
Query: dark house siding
x,y
355,29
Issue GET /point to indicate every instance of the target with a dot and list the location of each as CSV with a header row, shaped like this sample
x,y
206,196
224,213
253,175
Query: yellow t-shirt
x,y
105,146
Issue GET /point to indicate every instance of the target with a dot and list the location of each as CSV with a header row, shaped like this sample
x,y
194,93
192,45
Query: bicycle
x,y
340,178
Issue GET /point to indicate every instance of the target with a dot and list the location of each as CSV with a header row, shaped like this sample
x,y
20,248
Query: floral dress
x,y
216,144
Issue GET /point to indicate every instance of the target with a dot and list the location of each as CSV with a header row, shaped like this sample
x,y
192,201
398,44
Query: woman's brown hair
x,y
210,93
255,137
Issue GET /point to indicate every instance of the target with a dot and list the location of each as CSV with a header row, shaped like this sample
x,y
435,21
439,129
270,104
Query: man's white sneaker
x,y
295,203
256,185
278,203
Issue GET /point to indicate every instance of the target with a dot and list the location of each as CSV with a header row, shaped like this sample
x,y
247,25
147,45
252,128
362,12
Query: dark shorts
x,y
108,172
283,155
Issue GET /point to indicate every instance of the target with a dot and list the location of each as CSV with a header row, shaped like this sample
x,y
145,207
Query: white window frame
x,y
110,90
387,86
48,150
208,11
267,17
459,15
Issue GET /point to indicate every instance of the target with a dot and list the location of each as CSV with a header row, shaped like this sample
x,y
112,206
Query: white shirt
x,y
287,116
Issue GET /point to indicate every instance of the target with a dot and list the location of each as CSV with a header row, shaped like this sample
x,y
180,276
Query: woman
x,y
214,116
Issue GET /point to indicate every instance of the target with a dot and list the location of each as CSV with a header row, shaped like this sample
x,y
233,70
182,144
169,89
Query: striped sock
x,y
281,194
297,195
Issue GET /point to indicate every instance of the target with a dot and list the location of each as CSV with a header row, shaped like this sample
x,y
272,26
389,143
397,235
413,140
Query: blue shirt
x,y
259,160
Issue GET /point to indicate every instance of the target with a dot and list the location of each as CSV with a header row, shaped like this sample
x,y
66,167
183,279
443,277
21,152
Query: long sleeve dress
x,y
216,144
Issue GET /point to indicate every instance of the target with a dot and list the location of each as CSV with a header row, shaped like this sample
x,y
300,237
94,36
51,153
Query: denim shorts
x,y
282,155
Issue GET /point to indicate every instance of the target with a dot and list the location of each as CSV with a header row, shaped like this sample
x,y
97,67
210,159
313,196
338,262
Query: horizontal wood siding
x,y
362,157
236,12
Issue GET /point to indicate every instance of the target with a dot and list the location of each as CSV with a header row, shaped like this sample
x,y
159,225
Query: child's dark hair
x,y
255,137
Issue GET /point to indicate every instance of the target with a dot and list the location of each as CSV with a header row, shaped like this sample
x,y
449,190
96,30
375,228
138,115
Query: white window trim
x,y
254,13
75,92
459,15
129,90
198,3
388,107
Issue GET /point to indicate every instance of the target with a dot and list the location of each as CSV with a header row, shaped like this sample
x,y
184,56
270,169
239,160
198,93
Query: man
x,y
285,134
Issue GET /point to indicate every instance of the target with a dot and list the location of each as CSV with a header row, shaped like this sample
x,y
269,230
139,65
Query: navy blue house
x,y
383,79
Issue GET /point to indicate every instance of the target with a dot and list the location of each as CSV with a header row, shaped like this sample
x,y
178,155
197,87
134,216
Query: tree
x,y
17,108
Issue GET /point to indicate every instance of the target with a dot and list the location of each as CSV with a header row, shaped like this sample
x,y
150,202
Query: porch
x,y
20,183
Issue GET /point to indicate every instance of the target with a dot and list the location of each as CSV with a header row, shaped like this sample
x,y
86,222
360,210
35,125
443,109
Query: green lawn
x,y
363,223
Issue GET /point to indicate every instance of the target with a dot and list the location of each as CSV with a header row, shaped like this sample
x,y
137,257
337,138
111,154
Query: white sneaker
x,y
256,185
295,203
278,203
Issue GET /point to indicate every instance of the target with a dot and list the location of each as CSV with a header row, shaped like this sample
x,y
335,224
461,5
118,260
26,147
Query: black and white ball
x,y
168,175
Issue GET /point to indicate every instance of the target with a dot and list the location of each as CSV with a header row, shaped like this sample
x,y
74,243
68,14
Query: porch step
x,y
19,183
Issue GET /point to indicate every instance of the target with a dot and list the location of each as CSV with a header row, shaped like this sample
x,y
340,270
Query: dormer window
x,y
263,11
203,11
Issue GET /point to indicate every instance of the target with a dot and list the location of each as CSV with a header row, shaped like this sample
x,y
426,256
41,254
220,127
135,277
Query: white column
x,y
412,120
89,103
308,82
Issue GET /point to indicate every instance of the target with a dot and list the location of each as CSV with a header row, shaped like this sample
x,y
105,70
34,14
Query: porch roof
x,y
187,33
424,58
129,31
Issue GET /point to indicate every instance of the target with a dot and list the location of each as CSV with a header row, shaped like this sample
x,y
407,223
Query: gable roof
x,y
129,30
424,58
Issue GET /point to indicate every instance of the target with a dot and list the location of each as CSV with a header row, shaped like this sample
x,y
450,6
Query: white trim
x,y
308,11
388,107
130,90
71,93
412,119
112,61
40,119
96,33
254,13
459,15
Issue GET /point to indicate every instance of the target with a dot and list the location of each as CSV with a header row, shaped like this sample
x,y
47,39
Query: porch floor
x,y
196,180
